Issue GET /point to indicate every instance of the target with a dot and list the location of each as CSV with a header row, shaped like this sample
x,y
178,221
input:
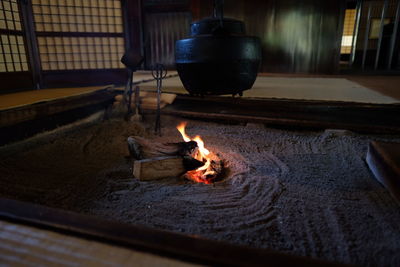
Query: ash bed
x,y
303,193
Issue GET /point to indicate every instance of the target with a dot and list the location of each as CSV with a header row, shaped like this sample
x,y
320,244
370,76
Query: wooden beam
x,y
132,15
358,117
383,158
181,246
26,121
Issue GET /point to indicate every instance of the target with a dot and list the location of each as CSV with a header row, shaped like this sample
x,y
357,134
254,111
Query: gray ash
x,y
305,193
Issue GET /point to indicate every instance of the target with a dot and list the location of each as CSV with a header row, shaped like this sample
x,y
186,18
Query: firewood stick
x,y
141,148
163,167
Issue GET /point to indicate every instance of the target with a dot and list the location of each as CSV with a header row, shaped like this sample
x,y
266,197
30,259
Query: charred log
x,y
141,148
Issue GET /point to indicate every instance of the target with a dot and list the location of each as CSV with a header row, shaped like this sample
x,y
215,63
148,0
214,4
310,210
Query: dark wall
x,y
164,22
297,36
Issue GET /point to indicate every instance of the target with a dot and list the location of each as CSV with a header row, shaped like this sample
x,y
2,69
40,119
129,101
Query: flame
x,y
203,151
203,154
181,128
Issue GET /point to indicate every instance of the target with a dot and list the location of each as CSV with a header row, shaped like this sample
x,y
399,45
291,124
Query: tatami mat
x,y
14,100
319,89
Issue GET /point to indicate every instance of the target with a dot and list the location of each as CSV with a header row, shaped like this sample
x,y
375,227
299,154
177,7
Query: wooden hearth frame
x,y
183,247
18,123
290,113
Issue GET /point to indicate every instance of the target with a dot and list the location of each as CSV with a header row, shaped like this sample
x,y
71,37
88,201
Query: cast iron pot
x,y
218,59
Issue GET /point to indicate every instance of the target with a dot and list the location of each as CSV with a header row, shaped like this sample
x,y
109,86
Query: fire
x,y
181,128
202,154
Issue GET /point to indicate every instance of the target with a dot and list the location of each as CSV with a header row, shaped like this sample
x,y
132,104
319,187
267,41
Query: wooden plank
x,y
281,121
23,245
31,97
186,247
369,118
157,168
22,122
46,108
383,159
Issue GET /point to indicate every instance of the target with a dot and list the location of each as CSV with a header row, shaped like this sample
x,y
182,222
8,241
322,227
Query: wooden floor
x,y
14,100
386,85
22,245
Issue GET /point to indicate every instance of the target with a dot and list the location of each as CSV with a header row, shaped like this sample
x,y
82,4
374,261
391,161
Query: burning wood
x,y
141,148
213,165
190,159
208,173
162,167
155,160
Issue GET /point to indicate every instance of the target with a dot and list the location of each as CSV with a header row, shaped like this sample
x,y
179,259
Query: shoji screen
x,y
79,41
14,67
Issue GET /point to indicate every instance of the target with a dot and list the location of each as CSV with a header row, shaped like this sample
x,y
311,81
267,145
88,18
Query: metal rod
x,y
158,116
158,73
378,50
130,92
355,32
394,36
366,36
137,100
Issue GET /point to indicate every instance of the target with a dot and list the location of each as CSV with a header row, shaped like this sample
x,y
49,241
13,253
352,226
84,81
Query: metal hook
x,y
158,72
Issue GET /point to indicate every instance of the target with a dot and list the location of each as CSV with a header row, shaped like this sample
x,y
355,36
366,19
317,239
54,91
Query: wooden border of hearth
x,y
358,117
173,245
28,119
383,158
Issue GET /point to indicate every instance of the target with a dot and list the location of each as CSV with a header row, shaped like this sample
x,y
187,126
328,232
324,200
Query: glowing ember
x,y
206,173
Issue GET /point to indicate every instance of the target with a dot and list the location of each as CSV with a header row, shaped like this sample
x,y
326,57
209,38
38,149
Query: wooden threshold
x,y
25,121
383,158
358,117
169,244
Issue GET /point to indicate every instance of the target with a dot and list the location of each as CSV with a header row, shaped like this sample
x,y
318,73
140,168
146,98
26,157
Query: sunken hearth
x,y
303,193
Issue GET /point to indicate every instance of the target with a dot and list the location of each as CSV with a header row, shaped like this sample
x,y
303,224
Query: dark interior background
x,y
297,37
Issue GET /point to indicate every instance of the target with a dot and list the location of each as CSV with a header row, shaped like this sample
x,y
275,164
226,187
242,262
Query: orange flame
x,y
201,155
181,128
